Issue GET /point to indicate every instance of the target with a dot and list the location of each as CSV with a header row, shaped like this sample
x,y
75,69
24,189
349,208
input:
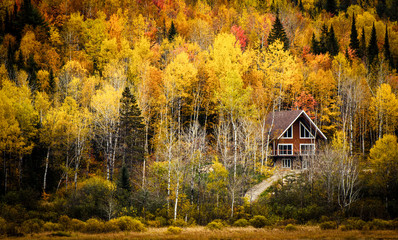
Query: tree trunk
x,y
46,170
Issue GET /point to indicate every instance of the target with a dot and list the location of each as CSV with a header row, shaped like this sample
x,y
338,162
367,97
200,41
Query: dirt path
x,y
254,192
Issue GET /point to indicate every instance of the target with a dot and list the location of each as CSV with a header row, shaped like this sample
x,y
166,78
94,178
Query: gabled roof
x,y
282,120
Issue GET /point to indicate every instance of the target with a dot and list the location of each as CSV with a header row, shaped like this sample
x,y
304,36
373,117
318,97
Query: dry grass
x,y
196,233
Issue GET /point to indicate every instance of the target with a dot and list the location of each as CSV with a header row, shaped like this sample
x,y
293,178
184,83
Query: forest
x,y
155,110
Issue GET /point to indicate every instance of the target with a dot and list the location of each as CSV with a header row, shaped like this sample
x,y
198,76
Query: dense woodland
x,y
156,109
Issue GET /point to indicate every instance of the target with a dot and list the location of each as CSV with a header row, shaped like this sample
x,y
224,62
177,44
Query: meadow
x,y
198,232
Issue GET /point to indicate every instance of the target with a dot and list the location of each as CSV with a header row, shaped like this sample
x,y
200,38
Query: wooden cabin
x,y
293,136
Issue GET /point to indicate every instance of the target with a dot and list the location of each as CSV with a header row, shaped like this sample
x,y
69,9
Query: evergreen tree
x,y
31,68
331,6
362,45
132,134
373,50
301,7
124,179
51,83
381,8
172,32
20,61
278,32
323,48
314,45
10,61
332,44
354,42
29,15
344,4
387,52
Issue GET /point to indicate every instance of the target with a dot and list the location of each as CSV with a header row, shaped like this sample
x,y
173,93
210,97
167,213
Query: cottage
x,y
293,136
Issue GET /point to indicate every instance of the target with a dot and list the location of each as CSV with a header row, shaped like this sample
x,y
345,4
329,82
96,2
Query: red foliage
x,y
240,36
307,103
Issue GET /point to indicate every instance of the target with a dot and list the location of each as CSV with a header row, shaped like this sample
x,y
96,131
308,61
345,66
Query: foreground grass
x,y
302,232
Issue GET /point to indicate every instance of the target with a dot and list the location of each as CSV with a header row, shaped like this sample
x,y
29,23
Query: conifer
x,y
331,6
373,50
362,45
354,42
387,52
278,32
332,44
323,39
314,45
131,129
172,32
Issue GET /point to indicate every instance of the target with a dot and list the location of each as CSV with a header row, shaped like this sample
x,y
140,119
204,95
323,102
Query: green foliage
x,y
76,225
179,223
259,221
3,226
50,226
174,230
354,42
373,49
94,226
32,226
127,223
215,225
290,227
241,223
352,224
328,225
61,234
172,32
278,32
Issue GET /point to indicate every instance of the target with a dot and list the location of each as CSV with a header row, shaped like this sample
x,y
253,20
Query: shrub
x,y
290,227
328,225
13,230
153,223
344,228
215,225
76,225
286,222
3,226
64,222
379,224
353,224
32,226
94,226
162,221
259,221
127,223
111,226
50,226
60,234
241,223
179,223
174,230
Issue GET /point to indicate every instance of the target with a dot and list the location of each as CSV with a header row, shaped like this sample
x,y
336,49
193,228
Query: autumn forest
x,y
153,112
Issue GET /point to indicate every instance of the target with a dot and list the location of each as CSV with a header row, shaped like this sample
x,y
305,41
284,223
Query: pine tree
x,y
323,40
331,6
132,134
278,32
124,179
172,32
29,15
354,42
51,83
10,61
362,45
387,52
314,45
332,44
373,50
301,7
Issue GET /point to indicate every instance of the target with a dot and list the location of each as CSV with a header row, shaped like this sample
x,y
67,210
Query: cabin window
x,y
285,149
304,132
286,163
288,133
307,149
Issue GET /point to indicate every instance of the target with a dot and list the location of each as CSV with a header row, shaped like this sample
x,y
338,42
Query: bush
x,y
290,227
241,223
127,223
153,223
60,234
64,222
94,226
328,225
76,225
50,226
13,230
3,226
379,224
111,226
179,223
353,224
32,226
286,222
215,225
162,221
174,230
259,221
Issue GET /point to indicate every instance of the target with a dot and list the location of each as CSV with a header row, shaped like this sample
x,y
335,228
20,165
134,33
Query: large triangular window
x,y
304,132
288,133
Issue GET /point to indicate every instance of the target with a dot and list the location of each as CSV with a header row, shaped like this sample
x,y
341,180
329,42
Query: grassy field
x,y
302,232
